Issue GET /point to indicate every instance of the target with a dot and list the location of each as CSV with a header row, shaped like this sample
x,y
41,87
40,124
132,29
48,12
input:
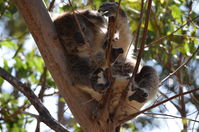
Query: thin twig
x,y
17,112
190,9
139,26
190,114
181,99
180,67
43,112
125,91
33,115
164,37
17,51
51,5
43,83
82,33
51,94
176,106
195,119
155,105
143,40
60,110
185,36
110,34
37,129
77,22
170,116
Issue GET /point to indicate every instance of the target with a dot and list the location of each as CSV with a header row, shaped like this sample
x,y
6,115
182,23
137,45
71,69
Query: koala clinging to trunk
x,y
85,52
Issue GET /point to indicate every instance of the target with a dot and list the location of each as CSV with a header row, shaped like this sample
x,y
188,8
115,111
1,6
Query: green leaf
x,y
150,26
62,100
186,47
8,43
77,128
176,12
1,81
15,129
132,4
134,26
162,1
184,121
133,0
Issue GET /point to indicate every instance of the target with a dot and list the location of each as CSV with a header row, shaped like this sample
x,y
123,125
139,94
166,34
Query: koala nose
x,y
78,38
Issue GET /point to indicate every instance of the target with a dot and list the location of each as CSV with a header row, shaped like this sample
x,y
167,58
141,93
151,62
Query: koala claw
x,y
98,81
140,96
109,8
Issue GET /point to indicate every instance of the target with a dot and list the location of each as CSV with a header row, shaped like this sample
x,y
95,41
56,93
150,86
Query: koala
x,y
85,52
142,89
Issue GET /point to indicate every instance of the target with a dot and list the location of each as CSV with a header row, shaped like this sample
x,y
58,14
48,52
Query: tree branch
x,y
172,116
43,112
125,91
104,111
143,39
51,5
139,26
155,105
43,31
180,67
175,105
164,37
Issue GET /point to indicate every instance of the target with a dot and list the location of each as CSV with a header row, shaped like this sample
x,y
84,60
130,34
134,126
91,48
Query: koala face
x,y
78,40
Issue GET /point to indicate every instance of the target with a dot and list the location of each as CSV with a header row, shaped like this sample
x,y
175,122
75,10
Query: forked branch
x,y
124,93
169,99
180,67
44,114
43,31
155,105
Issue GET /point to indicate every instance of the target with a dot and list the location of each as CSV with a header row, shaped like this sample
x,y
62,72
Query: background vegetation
x,y
172,39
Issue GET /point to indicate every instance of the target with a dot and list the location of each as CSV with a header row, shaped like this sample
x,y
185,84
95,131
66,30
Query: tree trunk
x,y
43,31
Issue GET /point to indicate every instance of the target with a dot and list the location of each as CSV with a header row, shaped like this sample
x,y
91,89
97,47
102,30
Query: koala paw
x,y
140,95
98,81
109,8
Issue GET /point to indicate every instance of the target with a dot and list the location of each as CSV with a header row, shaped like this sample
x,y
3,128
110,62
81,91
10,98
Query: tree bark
x,y
43,31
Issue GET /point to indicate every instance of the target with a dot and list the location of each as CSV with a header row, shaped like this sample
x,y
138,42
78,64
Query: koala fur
x,y
85,54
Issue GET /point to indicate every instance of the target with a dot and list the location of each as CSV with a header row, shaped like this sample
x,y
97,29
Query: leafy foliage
x,y
172,37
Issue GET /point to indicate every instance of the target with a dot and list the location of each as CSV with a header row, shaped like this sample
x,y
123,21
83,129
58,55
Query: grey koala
x,y
86,57
86,53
